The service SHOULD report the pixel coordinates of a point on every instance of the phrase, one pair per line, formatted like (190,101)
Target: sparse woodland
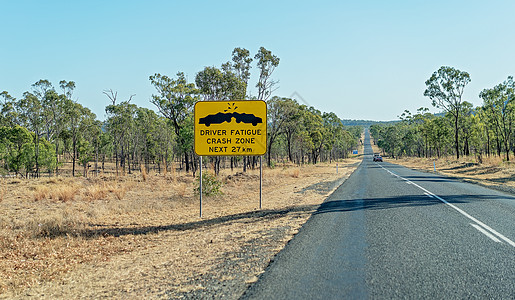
(460,130)
(46,132)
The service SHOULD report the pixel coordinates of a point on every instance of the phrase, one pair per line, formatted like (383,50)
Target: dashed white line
(483,226)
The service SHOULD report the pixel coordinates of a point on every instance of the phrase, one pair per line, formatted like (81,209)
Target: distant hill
(364,123)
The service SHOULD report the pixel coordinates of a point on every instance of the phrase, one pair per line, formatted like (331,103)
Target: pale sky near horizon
(359,59)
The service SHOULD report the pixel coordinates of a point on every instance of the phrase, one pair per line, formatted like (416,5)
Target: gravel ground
(235,271)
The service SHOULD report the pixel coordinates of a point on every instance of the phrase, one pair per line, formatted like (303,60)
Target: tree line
(461,129)
(46,127)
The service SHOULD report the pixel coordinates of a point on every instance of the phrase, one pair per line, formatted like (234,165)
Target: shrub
(210,185)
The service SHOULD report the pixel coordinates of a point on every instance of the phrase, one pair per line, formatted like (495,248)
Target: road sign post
(200,185)
(230,128)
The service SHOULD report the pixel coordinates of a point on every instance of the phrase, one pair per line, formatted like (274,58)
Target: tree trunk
(74,155)
(456,140)
(187,162)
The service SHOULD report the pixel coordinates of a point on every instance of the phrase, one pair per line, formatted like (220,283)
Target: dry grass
(143,170)
(65,193)
(119,236)
(96,191)
(493,170)
(58,224)
(41,192)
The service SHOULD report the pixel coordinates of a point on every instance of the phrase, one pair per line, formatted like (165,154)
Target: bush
(210,185)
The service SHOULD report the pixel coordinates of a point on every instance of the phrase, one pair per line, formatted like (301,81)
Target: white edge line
(483,225)
(483,231)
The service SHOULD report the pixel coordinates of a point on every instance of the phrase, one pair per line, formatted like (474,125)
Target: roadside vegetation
(461,129)
(473,143)
(47,128)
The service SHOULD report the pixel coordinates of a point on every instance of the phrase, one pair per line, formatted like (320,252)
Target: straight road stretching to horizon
(392,232)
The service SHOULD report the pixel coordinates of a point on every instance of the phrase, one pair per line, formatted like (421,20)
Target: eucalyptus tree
(314,127)
(57,109)
(486,125)
(279,112)
(146,124)
(422,121)
(31,115)
(414,134)
(499,101)
(80,121)
(120,124)
(445,90)
(175,100)
(35,116)
(241,61)
(292,125)
(335,135)
(477,136)
(8,113)
(439,134)
(216,85)
(165,142)
(266,63)
(466,126)
(12,140)
(391,139)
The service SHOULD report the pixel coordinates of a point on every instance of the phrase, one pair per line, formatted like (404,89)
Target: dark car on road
(377,157)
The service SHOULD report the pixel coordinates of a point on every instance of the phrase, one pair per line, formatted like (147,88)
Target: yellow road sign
(230,128)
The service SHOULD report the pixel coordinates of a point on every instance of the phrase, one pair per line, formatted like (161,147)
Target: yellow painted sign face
(230,128)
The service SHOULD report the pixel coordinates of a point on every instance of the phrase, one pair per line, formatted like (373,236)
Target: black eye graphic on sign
(219,118)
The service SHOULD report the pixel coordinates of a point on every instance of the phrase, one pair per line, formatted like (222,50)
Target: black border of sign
(195,128)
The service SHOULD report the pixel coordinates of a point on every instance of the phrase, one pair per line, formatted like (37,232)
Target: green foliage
(211,186)
(46,124)
(445,90)
(462,129)
(216,85)
(266,63)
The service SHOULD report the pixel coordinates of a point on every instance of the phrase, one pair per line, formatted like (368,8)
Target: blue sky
(359,59)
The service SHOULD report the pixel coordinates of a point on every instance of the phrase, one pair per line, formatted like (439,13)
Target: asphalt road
(390,232)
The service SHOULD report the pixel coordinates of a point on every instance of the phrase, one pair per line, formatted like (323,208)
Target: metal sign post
(260,181)
(231,128)
(200,186)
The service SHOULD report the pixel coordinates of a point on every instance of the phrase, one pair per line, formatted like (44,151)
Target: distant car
(377,157)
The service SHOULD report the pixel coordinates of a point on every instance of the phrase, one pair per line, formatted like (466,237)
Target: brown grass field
(493,171)
(141,236)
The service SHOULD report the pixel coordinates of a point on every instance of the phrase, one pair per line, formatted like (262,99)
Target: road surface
(390,232)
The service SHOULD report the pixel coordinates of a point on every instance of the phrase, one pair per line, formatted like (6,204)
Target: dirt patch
(129,237)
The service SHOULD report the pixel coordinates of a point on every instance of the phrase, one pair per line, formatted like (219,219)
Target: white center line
(483,225)
(486,233)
